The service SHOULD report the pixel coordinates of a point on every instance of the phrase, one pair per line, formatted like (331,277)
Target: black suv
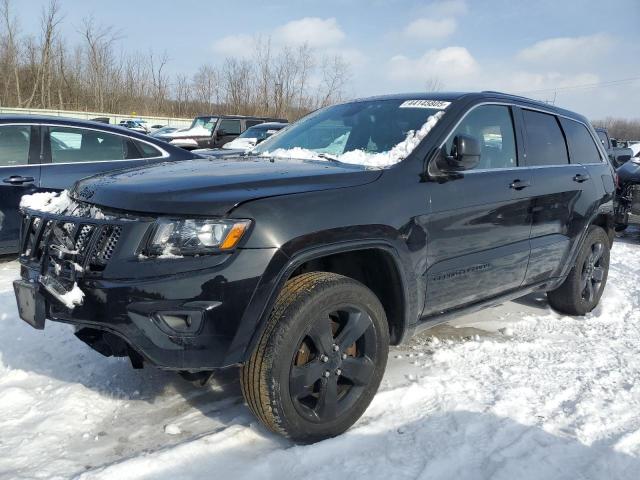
(301,262)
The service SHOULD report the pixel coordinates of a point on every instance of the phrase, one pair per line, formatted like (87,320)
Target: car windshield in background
(258,132)
(375,133)
(204,123)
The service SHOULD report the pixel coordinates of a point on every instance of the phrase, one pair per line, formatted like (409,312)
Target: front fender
(300,250)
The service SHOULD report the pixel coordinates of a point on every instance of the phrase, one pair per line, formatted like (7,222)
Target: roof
(75,122)
(248,117)
(271,125)
(486,94)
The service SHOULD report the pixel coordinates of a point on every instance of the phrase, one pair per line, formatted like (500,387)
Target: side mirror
(220,133)
(464,155)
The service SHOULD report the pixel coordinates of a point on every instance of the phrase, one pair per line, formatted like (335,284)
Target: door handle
(581,177)
(519,184)
(18,180)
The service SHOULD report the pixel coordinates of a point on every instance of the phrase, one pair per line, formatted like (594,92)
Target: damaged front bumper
(177,313)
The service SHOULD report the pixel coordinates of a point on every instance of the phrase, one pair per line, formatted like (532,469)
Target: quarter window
(70,145)
(545,142)
(492,126)
(14,145)
(147,150)
(582,148)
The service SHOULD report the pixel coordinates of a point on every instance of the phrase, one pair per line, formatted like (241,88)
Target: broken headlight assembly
(171,237)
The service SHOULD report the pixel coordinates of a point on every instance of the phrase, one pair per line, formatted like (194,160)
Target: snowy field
(514,392)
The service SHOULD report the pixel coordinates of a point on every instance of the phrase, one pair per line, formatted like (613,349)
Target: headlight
(191,237)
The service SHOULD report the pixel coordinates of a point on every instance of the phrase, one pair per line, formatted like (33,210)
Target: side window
(603,138)
(253,123)
(147,150)
(582,148)
(230,126)
(492,126)
(545,142)
(70,144)
(14,145)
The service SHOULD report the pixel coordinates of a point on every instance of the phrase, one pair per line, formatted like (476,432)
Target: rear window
(545,141)
(582,148)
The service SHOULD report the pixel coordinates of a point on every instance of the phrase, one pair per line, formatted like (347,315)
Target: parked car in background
(213,131)
(135,125)
(617,155)
(351,230)
(628,194)
(635,149)
(155,127)
(50,153)
(246,141)
(163,131)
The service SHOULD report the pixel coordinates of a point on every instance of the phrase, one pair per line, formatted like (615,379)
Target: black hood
(214,186)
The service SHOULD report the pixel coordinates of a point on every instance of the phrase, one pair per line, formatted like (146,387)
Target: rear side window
(69,145)
(147,150)
(230,127)
(582,148)
(545,141)
(492,126)
(14,145)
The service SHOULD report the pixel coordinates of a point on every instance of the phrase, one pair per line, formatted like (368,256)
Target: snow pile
(48,202)
(526,394)
(360,157)
(73,297)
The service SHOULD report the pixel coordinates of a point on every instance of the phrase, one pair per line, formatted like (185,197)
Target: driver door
(228,129)
(479,223)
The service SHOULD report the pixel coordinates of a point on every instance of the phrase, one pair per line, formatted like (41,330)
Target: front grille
(86,245)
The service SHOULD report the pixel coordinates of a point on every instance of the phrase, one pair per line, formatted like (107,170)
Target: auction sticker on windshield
(437,104)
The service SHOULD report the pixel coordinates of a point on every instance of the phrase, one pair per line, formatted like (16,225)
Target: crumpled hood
(213,186)
(629,172)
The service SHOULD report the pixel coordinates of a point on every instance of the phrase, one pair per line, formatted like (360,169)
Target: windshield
(258,132)
(204,123)
(374,133)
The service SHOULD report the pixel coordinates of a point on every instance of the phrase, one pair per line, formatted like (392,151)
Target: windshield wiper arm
(331,158)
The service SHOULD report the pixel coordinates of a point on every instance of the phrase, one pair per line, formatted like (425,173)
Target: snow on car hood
(198,131)
(360,157)
(245,143)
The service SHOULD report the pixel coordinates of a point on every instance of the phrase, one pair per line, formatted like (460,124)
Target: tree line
(620,128)
(46,71)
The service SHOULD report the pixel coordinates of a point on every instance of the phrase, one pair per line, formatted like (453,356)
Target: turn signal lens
(234,236)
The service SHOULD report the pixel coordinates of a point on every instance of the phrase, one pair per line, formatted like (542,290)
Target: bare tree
(335,75)
(12,51)
(433,84)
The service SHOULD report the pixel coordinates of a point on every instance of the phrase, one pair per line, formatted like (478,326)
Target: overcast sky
(529,47)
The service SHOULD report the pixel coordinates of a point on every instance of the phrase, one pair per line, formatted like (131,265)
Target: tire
(583,287)
(295,382)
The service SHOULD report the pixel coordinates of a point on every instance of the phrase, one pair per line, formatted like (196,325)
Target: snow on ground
(514,392)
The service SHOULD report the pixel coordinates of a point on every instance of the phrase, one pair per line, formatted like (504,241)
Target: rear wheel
(583,287)
(320,359)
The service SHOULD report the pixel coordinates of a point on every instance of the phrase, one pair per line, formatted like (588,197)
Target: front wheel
(320,359)
(583,287)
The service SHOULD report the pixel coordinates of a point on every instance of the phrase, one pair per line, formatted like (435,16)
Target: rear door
(479,224)
(228,129)
(562,193)
(19,175)
(72,153)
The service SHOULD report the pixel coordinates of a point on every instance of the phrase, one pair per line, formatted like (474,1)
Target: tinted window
(582,148)
(252,123)
(492,126)
(230,127)
(82,145)
(147,150)
(545,142)
(14,145)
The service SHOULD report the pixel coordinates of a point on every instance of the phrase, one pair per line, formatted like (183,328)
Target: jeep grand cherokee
(358,226)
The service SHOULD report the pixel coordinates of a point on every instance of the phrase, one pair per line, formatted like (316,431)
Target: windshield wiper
(331,158)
